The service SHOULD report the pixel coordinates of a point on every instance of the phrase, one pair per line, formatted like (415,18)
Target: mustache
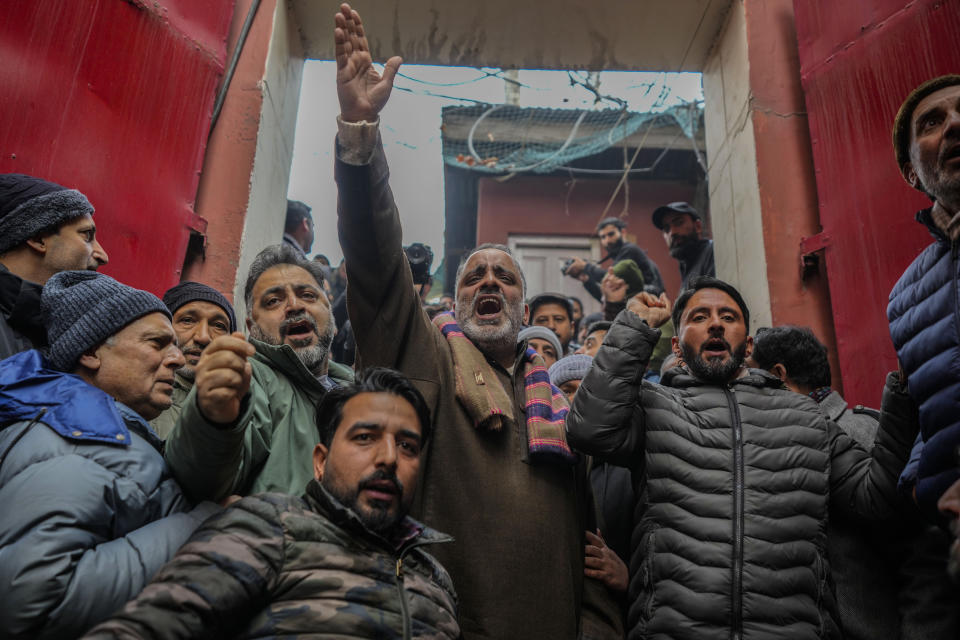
(303,316)
(380,476)
(488,291)
(726,345)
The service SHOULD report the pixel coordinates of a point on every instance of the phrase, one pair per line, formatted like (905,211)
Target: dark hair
(617,222)
(272,256)
(372,380)
(577,300)
(541,299)
(599,325)
(297,212)
(797,349)
(708,282)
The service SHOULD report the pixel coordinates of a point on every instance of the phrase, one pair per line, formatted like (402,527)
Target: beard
(941,188)
(379,517)
(485,335)
(614,247)
(312,356)
(714,370)
(680,245)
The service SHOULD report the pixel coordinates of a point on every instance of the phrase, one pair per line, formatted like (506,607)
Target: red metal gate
(858,61)
(114,98)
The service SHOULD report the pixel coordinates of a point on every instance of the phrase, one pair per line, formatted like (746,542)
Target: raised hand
(361,90)
(223,378)
(614,288)
(655,310)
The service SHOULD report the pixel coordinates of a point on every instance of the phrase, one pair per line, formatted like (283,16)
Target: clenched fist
(655,310)
(223,378)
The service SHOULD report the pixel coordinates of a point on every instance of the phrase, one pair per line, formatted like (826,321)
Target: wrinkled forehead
(282,275)
(201,308)
(941,99)
(490,259)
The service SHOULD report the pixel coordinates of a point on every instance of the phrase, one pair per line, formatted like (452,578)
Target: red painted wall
(858,61)
(549,206)
(785,172)
(114,98)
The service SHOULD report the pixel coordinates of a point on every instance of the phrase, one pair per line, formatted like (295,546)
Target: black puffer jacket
(732,485)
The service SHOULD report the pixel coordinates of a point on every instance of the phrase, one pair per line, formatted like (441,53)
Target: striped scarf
(491,406)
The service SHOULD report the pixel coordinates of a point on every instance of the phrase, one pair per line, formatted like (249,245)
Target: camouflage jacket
(274,565)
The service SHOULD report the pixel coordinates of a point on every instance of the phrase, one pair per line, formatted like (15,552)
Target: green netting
(510,139)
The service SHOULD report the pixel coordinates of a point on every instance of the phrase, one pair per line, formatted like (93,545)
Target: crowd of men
(500,466)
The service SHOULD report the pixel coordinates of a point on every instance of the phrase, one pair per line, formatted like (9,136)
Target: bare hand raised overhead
(649,307)
(362,91)
(223,378)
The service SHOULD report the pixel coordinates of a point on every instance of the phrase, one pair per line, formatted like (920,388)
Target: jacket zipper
(953,285)
(736,595)
(398,577)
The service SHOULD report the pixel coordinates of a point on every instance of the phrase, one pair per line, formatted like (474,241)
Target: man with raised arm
(498,475)
(733,474)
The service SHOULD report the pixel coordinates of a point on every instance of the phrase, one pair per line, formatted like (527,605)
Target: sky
(410,128)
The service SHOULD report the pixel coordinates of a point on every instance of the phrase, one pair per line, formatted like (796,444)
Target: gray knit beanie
(573,367)
(541,332)
(186,292)
(30,206)
(81,309)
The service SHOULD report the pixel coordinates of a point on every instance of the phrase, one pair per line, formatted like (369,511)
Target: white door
(541,258)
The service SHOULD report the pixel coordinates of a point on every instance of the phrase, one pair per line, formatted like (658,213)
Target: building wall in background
(858,61)
(243,188)
(549,206)
(762,190)
(114,98)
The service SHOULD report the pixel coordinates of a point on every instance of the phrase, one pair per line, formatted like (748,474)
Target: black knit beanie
(186,292)
(81,309)
(30,206)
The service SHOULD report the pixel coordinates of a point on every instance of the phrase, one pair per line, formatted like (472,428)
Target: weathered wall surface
(245,174)
(762,187)
(114,98)
(732,167)
(858,62)
(672,35)
(549,206)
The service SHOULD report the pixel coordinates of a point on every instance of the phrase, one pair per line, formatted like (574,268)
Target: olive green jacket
(164,423)
(269,447)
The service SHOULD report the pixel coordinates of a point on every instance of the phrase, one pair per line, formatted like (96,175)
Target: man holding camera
(610,232)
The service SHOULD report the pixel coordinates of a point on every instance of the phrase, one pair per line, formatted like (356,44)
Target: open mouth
(952,154)
(489,305)
(298,330)
(715,348)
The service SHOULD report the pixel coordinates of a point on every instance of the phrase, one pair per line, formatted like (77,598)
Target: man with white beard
(498,475)
(248,424)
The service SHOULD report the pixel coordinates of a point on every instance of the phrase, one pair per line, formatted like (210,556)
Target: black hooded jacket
(20,322)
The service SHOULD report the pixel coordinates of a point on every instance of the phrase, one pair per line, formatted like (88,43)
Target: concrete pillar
(243,186)
(763,198)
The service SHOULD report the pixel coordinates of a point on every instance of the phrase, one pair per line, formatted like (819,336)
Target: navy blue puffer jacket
(925,326)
